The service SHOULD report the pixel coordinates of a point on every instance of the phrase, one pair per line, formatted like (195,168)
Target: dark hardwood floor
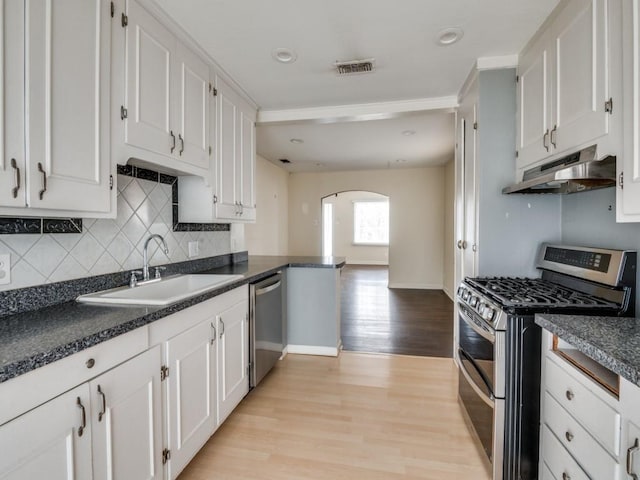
(401,321)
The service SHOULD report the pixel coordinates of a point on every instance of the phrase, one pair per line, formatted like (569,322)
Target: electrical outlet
(5,269)
(193,249)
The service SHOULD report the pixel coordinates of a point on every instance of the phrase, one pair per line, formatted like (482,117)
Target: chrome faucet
(145,254)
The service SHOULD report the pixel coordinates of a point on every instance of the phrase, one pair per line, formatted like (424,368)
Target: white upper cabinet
(565,86)
(12,152)
(165,104)
(628,194)
(55,123)
(235,170)
(533,90)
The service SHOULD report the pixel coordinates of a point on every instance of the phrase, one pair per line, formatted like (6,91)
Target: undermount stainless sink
(163,292)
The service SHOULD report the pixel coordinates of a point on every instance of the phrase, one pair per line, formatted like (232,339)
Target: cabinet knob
(569,436)
(460,244)
(569,395)
(90,363)
(566,476)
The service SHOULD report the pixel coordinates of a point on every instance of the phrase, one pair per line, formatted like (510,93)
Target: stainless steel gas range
(498,351)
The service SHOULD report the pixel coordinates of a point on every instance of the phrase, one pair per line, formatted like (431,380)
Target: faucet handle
(133,281)
(158,270)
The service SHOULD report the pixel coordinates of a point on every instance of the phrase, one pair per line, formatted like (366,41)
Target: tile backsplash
(109,245)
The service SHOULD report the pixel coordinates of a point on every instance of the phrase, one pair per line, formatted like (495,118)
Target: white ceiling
(400,35)
(374,144)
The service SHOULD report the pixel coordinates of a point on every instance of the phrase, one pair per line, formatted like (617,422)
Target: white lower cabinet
(586,432)
(126,420)
(109,427)
(233,333)
(47,441)
(191,392)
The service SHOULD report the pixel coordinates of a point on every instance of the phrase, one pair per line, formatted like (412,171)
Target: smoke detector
(353,67)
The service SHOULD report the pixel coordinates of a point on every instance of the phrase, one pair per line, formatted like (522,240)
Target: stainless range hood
(578,172)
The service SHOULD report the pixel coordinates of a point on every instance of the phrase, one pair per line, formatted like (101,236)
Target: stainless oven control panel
(482,306)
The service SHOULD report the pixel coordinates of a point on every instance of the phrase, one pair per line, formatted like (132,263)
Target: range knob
(474,301)
(461,290)
(466,295)
(489,314)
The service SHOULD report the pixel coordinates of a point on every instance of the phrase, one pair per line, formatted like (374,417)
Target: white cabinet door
(628,207)
(150,79)
(581,58)
(192,392)
(192,101)
(47,442)
(233,363)
(67,104)
(228,154)
(533,104)
(12,151)
(248,164)
(126,420)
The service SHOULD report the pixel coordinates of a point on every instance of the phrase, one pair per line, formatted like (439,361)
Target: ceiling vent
(285,161)
(353,67)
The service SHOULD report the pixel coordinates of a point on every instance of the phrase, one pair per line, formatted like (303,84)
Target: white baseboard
(313,350)
(449,293)
(420,286)
(367,262)
(285,350)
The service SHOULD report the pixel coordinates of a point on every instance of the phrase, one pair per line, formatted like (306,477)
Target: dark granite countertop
(614,342)
(36,338)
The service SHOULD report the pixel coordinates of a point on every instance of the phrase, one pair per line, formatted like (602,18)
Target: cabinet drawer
(602,421)
(583,447)
(21,394)
(556,460)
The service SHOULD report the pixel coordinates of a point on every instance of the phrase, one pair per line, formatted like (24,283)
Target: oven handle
(480,331)
(488,399)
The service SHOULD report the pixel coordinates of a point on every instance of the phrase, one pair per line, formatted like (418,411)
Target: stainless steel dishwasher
(266,326)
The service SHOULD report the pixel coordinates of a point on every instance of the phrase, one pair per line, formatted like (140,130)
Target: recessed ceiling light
(319,164)
(296,140)
(284,55)
(449,36)
(408,133)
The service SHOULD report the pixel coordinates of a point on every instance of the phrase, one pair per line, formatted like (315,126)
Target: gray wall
(510,226)
(589,219)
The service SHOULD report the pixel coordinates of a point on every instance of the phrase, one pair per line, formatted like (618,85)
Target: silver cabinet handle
(237,204)
(545,140)
(241,208)
(44,180)
(173,141)
(83,421)
(568,435)
(554,135)
(565,476)
(569,394)
(630,452)
(474,247)
(213,338)
(222,329)
(464,244)
(181,143)
(14,190)
(104,404)
(460,244)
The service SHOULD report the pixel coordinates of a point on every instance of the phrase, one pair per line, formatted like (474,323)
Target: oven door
(478,352)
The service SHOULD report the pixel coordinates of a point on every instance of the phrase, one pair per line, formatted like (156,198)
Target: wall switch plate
(193,249)
(5,269)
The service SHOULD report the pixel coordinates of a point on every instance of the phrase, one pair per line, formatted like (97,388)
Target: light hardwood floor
(359,416)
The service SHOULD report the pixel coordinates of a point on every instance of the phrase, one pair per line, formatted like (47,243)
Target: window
(371,222)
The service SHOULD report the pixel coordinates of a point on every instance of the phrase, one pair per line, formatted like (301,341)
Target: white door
(248,165)
(468,111)
(533,89)
(233,377)
(580,81)
(12,151)
(48,442)
(149,84)
(192,392)
(67,104)
(226,206)
(192,108)
(127,420)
